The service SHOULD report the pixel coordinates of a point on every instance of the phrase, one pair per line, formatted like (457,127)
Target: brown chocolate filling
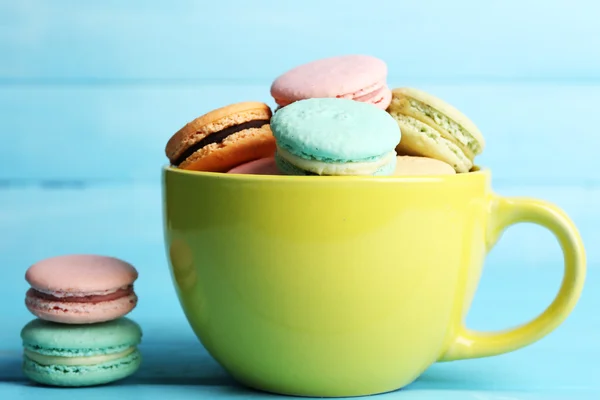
(218,137)
(82,299)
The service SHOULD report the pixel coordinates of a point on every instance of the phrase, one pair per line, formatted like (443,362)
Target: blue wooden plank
(240,40)
(535,133)
(520,278)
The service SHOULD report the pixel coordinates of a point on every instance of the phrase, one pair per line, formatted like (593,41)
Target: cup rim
(480,173)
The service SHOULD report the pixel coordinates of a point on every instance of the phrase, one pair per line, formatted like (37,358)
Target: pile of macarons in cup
(81,336)
(334,117)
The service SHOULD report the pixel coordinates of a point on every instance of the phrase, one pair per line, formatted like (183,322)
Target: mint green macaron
(80,355)
(330,136)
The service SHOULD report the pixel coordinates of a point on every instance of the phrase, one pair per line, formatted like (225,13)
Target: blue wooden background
(91,91)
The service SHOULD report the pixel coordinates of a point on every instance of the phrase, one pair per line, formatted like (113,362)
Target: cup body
(328,286)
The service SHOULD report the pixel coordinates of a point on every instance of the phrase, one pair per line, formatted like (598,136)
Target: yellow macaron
(433,128)
(412,165)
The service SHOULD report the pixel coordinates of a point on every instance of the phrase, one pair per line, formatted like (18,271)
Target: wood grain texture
(243,41)
(539,134)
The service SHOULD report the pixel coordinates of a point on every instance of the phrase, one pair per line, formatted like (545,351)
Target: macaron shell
(347,76)
(289,169)
(386,170)
(386,100)
(400,96)
(263,166)
(214,121)
(80,313)
(79,376)
(239,148)
(409,165)
(336,130)
(419,139)
(57,339)
(80,274)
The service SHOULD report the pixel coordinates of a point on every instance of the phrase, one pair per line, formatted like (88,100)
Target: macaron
(223,138)
(81,289)
(263,166)
(80,355)
(355,77)
(327,136)
(409,165)
(433,128)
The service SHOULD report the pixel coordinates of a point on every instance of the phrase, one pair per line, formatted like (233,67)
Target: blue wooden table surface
(90,92)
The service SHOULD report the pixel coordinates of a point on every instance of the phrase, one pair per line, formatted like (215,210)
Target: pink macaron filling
(94,298)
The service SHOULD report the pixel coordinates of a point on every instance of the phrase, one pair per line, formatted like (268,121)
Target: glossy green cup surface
(345,286)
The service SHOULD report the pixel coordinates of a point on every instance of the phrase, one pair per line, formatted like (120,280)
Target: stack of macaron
(334,117)
(81,336)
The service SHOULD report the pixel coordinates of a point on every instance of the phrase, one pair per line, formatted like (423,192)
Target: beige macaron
(433,128)
(409,165)
(223,138)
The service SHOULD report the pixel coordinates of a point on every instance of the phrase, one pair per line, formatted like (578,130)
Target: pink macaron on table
(81,289)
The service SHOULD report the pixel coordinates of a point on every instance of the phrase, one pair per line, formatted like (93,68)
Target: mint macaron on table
(80,355)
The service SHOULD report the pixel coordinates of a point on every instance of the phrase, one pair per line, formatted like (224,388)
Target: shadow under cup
(345,286)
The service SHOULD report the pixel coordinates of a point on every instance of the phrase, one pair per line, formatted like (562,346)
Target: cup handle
(505,212)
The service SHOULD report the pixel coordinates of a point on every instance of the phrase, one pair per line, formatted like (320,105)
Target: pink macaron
(81,289)
(263,166)
(356,77)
